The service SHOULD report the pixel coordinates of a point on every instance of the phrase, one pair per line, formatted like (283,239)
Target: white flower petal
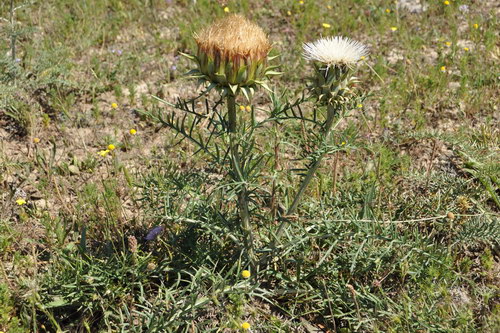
(335,50)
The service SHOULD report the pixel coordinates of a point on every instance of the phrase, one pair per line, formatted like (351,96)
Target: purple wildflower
(153,233)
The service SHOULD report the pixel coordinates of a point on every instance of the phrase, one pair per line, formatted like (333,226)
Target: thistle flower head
(333,59)
(232,53)
(234,38)
(335,51)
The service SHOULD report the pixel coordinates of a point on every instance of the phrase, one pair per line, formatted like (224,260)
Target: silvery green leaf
(264,85)
(190,57)
(245,92)
(234,88)
(273,73)
(271,58)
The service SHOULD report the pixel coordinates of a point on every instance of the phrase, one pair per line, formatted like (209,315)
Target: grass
(398,231)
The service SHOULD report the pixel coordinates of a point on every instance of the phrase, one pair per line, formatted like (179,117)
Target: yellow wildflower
(36,140)
(132,131)
(394,28)
(446,3)
(103,153)
(111,147)
(289,13)
(242,108)
(466,49)
(114,105)
(360,105)
(447,43)
(476,26)
(326,25)
(20,201)
(248,108)
(343,143)
(329,7)
(226,9)
(245,326)
(443,68)
(387,10)
(245,274)
(301,2)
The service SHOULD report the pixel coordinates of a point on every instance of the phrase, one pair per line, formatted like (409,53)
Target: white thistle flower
(335,51)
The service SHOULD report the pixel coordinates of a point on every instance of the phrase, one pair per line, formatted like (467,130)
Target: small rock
(74,170)
(394,56)
(454,85)
(42,204)
(412,6)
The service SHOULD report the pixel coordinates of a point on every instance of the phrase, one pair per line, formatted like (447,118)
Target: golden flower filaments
(233,53)
(334,58)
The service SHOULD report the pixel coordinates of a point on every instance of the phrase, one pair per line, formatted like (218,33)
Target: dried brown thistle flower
(233,53)
(132,244)
(233,39)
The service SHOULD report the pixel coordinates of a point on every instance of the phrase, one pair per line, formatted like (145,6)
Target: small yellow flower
(248,108)
(463,203)
(245,274)
(360,105)
(447,43)
(132,131)
(443,68)
(289,13)
(329,7)
(394,28)
(343,143)
(20,201)
(476,26)
(301,2)
(362,58)
(36,140)
(446,3)
(226,9)
(111,147)
(466,49)
(245,326)
(388,10)
(326,25)
(103,153)
(242,108)
(114,105)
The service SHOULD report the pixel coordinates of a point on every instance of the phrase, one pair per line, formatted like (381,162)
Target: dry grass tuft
(232,38)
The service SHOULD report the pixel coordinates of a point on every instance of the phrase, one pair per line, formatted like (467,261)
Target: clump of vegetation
(303,185)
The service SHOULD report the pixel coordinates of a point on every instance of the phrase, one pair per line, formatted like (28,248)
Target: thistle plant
(232,57)
(334,60)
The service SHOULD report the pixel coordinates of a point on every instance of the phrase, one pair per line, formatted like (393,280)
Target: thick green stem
(231,113)
(329,125)
(239,177)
